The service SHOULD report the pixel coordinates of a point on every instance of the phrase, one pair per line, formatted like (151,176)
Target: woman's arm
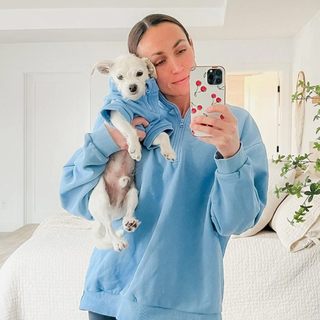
(82,172)
(239,193)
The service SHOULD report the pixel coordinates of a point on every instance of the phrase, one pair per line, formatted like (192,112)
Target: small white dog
(115,195)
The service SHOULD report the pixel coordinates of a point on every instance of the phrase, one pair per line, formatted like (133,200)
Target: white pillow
(275,180)
(300,235)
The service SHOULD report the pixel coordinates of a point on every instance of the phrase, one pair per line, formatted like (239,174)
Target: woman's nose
(176,66)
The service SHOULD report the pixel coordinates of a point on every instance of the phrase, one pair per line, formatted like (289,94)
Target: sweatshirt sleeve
(239,192)
(119,106)
(82,172)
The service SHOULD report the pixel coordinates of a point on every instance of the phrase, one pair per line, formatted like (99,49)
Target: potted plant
(309,188)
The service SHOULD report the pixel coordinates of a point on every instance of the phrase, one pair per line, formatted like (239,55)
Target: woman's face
(169,50)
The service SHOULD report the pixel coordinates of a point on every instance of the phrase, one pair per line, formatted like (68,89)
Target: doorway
(259,94)
(57,117)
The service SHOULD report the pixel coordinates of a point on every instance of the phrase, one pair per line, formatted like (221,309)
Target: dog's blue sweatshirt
(147,106)
(173,267)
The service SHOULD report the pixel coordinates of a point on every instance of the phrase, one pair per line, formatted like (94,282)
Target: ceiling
(102,20)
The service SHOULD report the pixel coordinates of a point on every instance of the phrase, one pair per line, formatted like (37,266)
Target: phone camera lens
(214,76)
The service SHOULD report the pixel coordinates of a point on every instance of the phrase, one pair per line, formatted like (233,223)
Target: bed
(43,279)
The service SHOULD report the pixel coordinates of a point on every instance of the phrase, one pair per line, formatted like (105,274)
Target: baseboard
(10,226)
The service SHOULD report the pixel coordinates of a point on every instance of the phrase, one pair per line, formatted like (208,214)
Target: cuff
(153,131)
(103,141)
(233,164)
(126,113)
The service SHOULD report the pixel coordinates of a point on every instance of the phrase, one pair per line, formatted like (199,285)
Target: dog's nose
(133,88)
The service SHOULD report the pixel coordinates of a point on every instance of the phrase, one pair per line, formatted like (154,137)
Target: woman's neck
(182,102)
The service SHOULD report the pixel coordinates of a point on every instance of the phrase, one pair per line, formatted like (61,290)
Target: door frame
(275,107)
(84,72)
(285,109)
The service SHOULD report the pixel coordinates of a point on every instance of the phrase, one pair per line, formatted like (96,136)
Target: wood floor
(10,241)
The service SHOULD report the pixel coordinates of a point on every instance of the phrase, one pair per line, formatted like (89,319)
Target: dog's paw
(131,224)
(119,245)
(134,149)
(169,154)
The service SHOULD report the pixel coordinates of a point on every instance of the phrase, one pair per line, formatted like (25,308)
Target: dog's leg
(99,206)
(118,242)
(130,133)
(130,223)
(163,141)
(112,238)
(100,237)
(99,203)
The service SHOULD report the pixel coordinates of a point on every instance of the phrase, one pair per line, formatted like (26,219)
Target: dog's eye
(139,73)
(120,77)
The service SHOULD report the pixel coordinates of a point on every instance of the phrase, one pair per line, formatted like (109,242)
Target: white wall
(17,59)
(306,58)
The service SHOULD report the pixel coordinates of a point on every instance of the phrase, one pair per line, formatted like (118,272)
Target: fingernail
(221,116)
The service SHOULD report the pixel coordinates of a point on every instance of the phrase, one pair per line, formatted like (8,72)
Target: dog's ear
(103,66)
(151,68)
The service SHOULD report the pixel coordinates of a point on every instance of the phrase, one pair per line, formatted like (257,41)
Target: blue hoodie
(147,106)
(173,267)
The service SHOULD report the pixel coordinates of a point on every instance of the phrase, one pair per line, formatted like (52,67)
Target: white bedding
(44,278)
(265,282)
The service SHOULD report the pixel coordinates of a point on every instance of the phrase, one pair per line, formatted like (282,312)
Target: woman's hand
(224,131)
(119,139)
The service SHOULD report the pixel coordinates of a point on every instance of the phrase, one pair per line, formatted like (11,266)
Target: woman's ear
(191,44)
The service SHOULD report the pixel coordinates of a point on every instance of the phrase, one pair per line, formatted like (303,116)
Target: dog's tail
(124,181)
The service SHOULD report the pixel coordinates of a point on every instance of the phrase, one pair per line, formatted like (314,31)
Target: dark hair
(140,28)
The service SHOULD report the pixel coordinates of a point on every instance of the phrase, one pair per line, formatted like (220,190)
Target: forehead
(160,38)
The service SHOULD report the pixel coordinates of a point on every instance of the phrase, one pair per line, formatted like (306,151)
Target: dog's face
(129,73)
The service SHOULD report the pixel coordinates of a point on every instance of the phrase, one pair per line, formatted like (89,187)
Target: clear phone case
(207,87)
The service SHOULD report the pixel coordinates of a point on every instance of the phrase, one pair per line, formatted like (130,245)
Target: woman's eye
(159,63)
(139,73)
(120,77)
(181,51)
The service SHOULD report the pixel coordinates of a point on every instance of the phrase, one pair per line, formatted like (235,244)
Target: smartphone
(207,87)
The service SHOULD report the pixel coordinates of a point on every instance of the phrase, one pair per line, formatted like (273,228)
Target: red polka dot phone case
(207,87)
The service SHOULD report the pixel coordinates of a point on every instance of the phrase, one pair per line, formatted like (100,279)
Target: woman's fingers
(140,121)
(222,128)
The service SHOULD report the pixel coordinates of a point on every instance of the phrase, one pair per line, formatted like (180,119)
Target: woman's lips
(181,80)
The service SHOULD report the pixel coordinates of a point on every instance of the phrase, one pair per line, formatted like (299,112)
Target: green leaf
(306,208)
(316,145)
(302,162)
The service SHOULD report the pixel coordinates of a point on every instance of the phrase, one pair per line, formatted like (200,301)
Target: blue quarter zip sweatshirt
(173,267)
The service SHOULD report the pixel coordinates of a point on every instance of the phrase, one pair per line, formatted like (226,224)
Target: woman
(217,187)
